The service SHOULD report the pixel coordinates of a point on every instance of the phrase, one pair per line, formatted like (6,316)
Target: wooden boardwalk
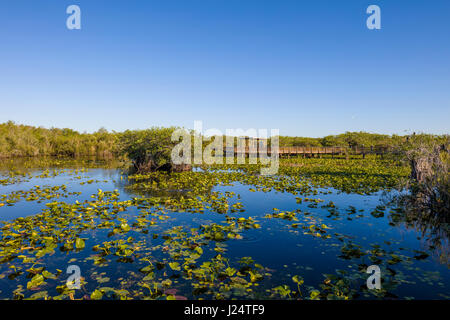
(306,151)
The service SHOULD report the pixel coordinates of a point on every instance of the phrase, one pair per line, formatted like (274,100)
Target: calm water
(286,251)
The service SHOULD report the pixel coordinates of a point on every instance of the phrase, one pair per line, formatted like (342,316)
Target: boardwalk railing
(288,151)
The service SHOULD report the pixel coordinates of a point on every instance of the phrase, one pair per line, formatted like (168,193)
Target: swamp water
(219,236)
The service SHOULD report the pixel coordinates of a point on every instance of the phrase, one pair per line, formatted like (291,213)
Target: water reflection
(433,227)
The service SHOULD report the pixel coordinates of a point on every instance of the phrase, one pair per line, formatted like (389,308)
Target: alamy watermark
(374,281)
(74,280)
(374,20)
(239,145)
(74,20)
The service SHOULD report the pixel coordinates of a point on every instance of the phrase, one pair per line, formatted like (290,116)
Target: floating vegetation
(210,233)
(36,194)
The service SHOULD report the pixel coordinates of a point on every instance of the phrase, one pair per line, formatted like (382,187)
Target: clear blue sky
(309,68)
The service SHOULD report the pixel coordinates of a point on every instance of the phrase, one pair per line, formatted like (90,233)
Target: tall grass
(23,141)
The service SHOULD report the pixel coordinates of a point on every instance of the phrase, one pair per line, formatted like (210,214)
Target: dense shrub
(22,140)
(150,149)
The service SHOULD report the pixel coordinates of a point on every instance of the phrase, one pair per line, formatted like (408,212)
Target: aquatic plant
(175,235)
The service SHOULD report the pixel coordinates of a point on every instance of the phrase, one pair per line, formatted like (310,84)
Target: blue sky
(308,68)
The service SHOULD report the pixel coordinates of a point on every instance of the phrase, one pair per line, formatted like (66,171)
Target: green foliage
(155,145)
(24,141)
(156,256)
(429,186)
(360,139)
(148,149)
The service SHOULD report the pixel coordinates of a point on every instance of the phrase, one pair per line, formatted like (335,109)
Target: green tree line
(23,141)
(18,140)
(361,139)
